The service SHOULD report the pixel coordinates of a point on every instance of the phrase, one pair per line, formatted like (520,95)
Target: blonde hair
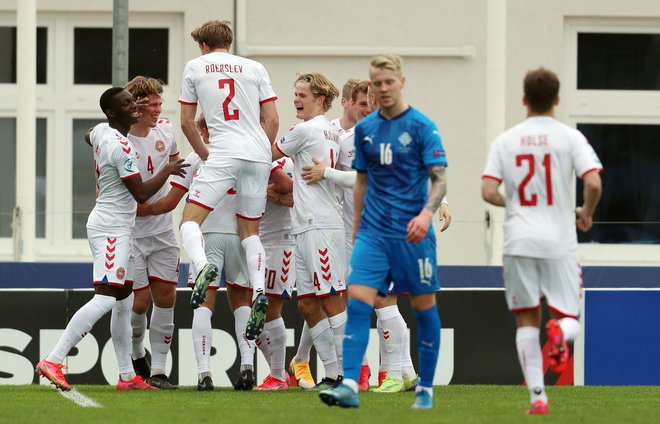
(360,87)
(320,85)
(144,86)
(216,34)
(349,86)
(388,61)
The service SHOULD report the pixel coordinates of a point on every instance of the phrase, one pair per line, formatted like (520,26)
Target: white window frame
(608,107)
(60,102)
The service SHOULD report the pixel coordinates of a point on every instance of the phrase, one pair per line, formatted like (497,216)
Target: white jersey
(230,90)
(315,206)
(337,124)
(345,163)
(114,161)
(275,225)
(223,217)
(536,160)
(153,153)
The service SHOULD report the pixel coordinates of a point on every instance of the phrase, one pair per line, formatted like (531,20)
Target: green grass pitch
(453,404)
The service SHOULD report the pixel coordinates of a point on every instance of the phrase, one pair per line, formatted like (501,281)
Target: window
(84,182)
(611,92)
(8,54)
(147,54)
(618,61)
(629,210)
(8,176)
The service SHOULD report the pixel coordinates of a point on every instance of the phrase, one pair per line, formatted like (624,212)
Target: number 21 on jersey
(528,160)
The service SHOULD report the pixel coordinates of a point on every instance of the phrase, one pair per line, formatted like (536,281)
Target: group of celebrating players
(330,204)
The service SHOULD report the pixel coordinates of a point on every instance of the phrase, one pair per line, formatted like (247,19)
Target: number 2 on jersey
(230,115)
(532,200)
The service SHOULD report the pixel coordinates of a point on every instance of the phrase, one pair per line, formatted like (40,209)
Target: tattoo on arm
(438,188)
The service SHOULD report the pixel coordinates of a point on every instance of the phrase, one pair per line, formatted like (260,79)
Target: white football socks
(305,344)
(202,335)
(255,256)
(393,330)
(81,322)
(139,325)
(531,361)
(570,327)
(193,242)
(241,316)
(325,347)
(277,347)
(338,325)
(121,332)
(161,330)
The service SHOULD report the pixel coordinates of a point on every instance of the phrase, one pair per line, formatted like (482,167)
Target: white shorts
(280,270)
(224,251)
(155,258)
(112,258)
(214,179)
(527,280)
(320,262)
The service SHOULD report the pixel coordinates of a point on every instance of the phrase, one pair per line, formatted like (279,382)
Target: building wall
(464,62)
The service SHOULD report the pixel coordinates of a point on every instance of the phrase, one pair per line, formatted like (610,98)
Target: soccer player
(235,94)
(155,250)
(223,246)
(110,232)
(396,370)
(275,232)
(316,223)
(536,160)
(397,151)
(347,119)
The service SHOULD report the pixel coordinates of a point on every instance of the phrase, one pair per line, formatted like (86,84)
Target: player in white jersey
(346,121)
(537,160)
(396,370)
(275,233)
(110,231)
(155,250)
(316,222)
(222,245)
(236,95)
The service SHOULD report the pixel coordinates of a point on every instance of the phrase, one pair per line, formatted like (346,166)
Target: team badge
(405,139)
(160,146)
(121,273)
(129,165)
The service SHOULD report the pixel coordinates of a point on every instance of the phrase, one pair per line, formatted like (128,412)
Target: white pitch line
(78,398)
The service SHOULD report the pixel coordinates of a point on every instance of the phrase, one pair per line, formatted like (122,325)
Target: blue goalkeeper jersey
(396,155)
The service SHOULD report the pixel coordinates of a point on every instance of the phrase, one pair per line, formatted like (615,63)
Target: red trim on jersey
(162,280)
(141,288)
(130,176)
(270,99)
(278,148)
(175,184)
(302,296)
(195,202)
(117,284)
(600,170)
(533,308)
(174,154)
(562,314)
(247,218)
(278,166)
(490,177)
(187,103)
(229,284)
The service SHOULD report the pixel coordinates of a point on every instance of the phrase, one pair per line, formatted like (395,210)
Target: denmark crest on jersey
(160,146)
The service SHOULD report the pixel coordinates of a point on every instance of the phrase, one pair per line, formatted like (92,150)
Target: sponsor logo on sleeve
(129,165)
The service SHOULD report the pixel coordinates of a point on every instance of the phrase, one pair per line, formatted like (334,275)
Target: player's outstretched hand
(313,174)
(177,168)
(419,226)
(445,216)
(584,221)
